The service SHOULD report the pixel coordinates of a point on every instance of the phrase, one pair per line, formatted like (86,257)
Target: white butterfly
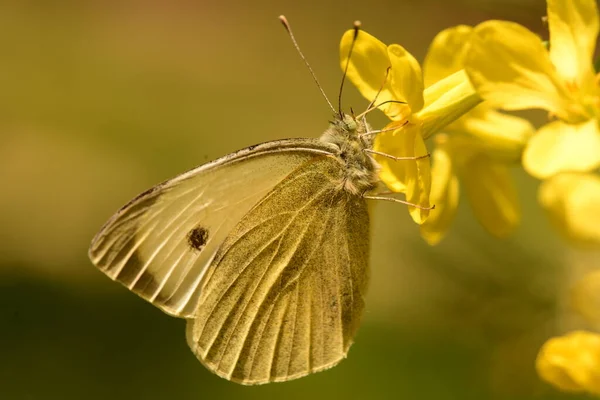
(264,252)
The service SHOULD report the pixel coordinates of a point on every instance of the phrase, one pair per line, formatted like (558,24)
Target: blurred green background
(99,100)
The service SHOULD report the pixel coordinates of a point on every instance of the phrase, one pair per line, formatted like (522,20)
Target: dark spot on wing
(197,238)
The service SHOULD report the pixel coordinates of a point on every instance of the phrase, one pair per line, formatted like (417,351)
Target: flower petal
(412,177)
(492,194)
(446,53)
(560,147)
(501,136)
(509,67)
(444,194)
(367,70)
(446,101)
(573,29)
(572,202)
(571,362)
(407,78)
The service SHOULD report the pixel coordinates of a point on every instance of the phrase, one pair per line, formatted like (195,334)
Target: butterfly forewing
(284,294)
(161,243)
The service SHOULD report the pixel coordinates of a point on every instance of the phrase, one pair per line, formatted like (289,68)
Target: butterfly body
(349,136)
(264,252)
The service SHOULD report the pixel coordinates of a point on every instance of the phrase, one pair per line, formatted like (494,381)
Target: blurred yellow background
(100,100)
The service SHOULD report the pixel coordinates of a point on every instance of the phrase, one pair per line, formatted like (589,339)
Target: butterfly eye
(197,238)
(350,124)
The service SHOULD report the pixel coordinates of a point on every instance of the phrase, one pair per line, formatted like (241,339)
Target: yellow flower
(571,362)
(572,202)
(474,149)
(511,69)
(426,110)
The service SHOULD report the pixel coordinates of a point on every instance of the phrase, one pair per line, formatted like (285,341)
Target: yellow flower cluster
(469,74)
(474,143)
(512,69)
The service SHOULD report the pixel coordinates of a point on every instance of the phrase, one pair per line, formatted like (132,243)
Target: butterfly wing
(284,295)
(160,244)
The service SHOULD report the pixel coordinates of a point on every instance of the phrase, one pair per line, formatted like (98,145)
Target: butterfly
(264,252)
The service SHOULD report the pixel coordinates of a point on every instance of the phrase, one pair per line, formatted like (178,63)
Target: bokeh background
(99,100)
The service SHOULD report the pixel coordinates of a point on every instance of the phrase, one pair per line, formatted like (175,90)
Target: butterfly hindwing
(161,244)
(284,295)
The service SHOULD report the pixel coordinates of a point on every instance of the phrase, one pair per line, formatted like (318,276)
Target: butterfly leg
(396,158)
(378,131)
(395,200)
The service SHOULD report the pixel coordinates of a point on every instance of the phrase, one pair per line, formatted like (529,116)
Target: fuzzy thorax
(360,173)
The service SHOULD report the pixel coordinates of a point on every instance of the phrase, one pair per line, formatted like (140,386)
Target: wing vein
(293,330)
(279,334)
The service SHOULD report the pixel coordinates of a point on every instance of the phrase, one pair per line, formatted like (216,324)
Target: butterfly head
(349,122)
(348,126)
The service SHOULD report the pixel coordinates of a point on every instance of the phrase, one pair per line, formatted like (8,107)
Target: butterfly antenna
(356,29)
(370,106)
(379,105)
(287,27)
